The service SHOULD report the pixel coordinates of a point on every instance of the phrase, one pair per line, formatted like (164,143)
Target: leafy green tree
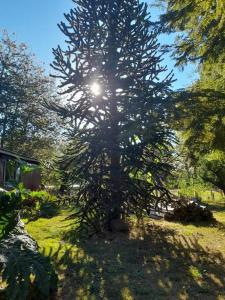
(200,26)
(200,109)
(212,170)
(25,124)
(201,119)
(115,108)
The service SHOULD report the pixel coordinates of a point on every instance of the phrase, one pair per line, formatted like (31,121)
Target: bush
(190,213)
(37,203)
(10,204)
(24,270)
(27,273)
(44,203)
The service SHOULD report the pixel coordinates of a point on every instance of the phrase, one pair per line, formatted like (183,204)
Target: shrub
(22,267)
(36,204)
(44,203)
(9,207)
(189,213)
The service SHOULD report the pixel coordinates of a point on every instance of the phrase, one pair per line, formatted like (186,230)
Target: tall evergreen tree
(115,104)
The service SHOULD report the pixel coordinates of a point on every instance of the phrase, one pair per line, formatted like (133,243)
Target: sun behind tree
(116,110)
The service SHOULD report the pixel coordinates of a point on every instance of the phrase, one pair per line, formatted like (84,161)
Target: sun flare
(96,89)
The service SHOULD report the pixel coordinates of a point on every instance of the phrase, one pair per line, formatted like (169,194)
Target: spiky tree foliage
(114,106)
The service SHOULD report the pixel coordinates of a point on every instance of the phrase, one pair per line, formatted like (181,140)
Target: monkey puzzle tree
(114,107)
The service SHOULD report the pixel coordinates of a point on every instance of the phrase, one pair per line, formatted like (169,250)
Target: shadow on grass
(150,263)
(216,206)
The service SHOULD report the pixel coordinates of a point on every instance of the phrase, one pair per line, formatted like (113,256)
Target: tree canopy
(201,28)
(25,124)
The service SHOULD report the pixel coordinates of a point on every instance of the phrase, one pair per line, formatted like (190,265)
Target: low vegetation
(25,273)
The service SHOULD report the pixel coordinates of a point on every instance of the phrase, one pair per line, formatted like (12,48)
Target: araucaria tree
(115,109)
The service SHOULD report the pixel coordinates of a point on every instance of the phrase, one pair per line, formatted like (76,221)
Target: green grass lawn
(157,260)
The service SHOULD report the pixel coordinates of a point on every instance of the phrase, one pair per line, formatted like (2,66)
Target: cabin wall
(12,173)
(32,180)
(2,173)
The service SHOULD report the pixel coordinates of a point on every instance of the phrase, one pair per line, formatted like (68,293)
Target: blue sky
(35,23)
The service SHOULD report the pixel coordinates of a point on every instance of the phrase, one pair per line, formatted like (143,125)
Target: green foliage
(27,274)
(200,110)
(25,124)
(201,120)
(9,206)
(200,26)
(42,196)
(27,168)
(212,169)
(37,203)
(29,203)
(45,203)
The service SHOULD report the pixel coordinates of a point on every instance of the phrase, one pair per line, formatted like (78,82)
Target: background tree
(26,126)
(115,107)
(200,26)
(201,118)
(212,169)
(200,30)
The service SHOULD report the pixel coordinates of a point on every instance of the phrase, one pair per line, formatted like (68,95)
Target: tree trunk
(114,152)
(115,175)
(223,190)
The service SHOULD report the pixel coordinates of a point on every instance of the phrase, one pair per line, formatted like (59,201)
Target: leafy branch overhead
(200,26)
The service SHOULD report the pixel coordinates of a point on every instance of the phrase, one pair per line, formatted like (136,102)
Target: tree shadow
(216,206)
(150,263)
(49,211)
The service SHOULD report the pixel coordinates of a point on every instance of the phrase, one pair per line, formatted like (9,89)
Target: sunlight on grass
(194,271)
(156,261)
(49,232)
(204,234)
(126,294)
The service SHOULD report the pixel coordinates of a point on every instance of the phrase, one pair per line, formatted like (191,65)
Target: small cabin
(15,169)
